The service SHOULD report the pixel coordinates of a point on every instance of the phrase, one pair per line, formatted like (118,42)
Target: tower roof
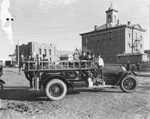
(111,8)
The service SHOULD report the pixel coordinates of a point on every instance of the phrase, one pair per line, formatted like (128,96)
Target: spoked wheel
(56,89)
(1,86)
(129,84)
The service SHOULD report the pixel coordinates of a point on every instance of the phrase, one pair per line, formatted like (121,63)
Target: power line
(74,21)
(58,31)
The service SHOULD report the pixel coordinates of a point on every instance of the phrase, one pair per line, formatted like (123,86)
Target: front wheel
(56,89)
(129,84)
(1,86)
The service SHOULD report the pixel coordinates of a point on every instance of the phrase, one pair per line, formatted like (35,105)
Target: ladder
(58,65)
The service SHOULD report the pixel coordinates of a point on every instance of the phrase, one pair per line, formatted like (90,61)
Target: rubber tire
(60,82)
(135,83)
(1,86)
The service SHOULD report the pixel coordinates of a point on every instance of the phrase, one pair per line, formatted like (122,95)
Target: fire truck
(58,77)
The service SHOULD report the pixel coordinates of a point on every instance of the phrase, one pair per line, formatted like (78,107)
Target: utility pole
(132,40)
(149,24)
(18,52)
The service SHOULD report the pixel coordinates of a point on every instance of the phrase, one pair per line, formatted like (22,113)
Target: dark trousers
(29,76)
(100,71)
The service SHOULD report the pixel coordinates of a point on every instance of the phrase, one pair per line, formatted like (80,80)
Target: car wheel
(1,86)
(56,89)
(129,84)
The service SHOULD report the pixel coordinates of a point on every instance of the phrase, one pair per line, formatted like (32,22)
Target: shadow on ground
(22,94)
(25,94)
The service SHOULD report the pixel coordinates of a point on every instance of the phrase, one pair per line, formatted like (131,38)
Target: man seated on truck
(45,65)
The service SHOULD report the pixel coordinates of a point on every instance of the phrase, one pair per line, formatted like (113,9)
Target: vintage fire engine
(57,77)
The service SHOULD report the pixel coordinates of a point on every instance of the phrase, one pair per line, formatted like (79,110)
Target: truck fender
(1,81)
(123,75)
(52,77)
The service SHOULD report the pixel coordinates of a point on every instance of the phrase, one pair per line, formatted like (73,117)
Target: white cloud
(6,25)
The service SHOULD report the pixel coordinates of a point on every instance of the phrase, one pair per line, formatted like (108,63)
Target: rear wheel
(129,84)
(1,86)
(56,89)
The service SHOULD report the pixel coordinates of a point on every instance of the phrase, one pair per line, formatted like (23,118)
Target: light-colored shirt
(100,62)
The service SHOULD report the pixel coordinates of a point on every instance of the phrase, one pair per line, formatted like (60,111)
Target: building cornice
(102,30)
(112,28)
(111,10)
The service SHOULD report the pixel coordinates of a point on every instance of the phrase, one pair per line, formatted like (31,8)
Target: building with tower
(114,41)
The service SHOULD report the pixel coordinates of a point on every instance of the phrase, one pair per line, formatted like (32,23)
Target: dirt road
(19,102)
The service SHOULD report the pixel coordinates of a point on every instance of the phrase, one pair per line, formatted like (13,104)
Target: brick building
(113,38)
(34,48)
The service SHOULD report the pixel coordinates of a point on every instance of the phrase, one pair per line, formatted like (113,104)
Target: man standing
(128,66)
(100,65)
(21,59)
(138,66)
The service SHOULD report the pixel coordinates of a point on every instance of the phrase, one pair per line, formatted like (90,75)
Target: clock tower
(111,17)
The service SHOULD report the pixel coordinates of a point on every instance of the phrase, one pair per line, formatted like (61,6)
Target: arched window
(115,18)
(109,18)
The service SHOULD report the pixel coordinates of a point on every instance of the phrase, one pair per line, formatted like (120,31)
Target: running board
(102,86)
(32,89)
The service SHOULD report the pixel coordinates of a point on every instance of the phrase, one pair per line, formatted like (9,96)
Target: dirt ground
(18,102)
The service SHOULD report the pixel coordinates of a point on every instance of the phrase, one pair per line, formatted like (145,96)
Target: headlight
(123,68)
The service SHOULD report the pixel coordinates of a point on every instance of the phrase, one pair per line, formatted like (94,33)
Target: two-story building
(112,38)
(34,48)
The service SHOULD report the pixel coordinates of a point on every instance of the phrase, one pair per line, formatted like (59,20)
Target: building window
(92,46)
(86,41)
(104,35)
(98,44)
(110,45)
(118,45)
(129,44)
(50,59)
(115,18)
(49,51)
(103,42)
(33,48)
(40,51)
(45,52)
(118,34)
(110,34)
(129,35)
(25,52)
(109,19)
(54,51)
(141,37)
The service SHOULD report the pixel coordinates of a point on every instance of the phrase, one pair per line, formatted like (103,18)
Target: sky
(61,21)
